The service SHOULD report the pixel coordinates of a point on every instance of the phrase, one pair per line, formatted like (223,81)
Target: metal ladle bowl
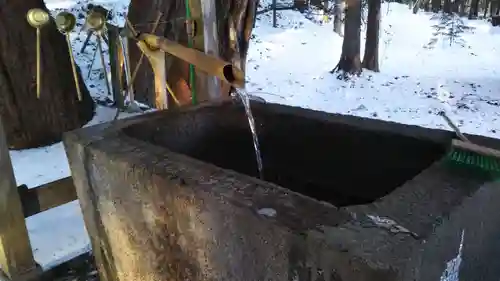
(95,21)
(37,17)
(65,21)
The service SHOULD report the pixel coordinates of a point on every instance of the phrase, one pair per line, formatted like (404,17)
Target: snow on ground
(290,65)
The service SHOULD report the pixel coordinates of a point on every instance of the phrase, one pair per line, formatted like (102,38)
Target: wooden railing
(17,203)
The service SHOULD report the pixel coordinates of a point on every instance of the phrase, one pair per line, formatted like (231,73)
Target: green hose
(192,84)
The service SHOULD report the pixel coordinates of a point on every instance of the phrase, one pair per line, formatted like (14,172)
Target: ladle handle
(454,127)
(73,67)
(38,63)
(103,61)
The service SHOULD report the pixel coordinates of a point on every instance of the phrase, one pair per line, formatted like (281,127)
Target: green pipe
(192,84)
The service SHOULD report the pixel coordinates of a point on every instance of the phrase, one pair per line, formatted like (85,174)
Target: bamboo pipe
(206,63)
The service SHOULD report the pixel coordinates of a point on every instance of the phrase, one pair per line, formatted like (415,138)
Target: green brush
(463,153)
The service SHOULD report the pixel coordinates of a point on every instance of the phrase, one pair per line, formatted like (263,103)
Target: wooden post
(157,60)
(201,81)
(16,256)
(211,42)
(114,62)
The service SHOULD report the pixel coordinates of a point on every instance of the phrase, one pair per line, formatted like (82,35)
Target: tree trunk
(349,60)
(474,9)
(493,7)
(461,8)
(487,4)
(32,122)
(427,7)
(300,5)
(415,6)
(436,6)
(316,3)
(447,6)
(232,16)
(338,10)
(455,6)
(326,8)
(370,58)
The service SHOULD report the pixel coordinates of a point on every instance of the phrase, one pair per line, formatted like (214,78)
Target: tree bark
(300,5)
(447,6)
(232,16)
(461,8)
(427,7)
(32,122)
(415,6)
(338,13)
(493,7)
(455,6)
(316,3)
(474,9)
(436,5)
(370,58)
(350,62)
(487,4)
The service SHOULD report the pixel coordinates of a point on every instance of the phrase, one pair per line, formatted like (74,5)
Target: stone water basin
(175,196)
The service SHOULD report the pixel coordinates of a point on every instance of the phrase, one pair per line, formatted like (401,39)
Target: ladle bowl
(65,21)
(37,17)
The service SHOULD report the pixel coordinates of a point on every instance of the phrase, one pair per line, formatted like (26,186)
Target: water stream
(245,99)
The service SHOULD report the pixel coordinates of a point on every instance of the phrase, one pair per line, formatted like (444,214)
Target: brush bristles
(487,164)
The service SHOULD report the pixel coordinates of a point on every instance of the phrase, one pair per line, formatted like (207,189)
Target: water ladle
(38,18)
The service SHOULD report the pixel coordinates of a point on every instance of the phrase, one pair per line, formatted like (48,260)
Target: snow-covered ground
(290,65)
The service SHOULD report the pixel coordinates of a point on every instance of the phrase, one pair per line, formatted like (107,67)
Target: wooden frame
(16,203)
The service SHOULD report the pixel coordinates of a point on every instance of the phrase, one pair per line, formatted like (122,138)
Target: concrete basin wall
(156,209)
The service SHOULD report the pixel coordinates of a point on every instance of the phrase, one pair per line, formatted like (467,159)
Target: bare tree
(447,6)
(461,8)
(474,9)
(370,58)
(486,6)
(436,5)
(494,7)
(32,122)
(338,12)
(350,61)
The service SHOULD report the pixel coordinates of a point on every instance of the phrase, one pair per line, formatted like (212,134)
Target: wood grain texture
(16,257)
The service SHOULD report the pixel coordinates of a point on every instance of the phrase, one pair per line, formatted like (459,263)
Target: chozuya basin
(174,196)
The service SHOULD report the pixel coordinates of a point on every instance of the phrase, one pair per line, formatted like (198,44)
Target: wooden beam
(47,196)
(211,43)
(16,256)
(114,62)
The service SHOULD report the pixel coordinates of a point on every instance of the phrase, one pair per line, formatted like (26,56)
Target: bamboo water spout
(225,71)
